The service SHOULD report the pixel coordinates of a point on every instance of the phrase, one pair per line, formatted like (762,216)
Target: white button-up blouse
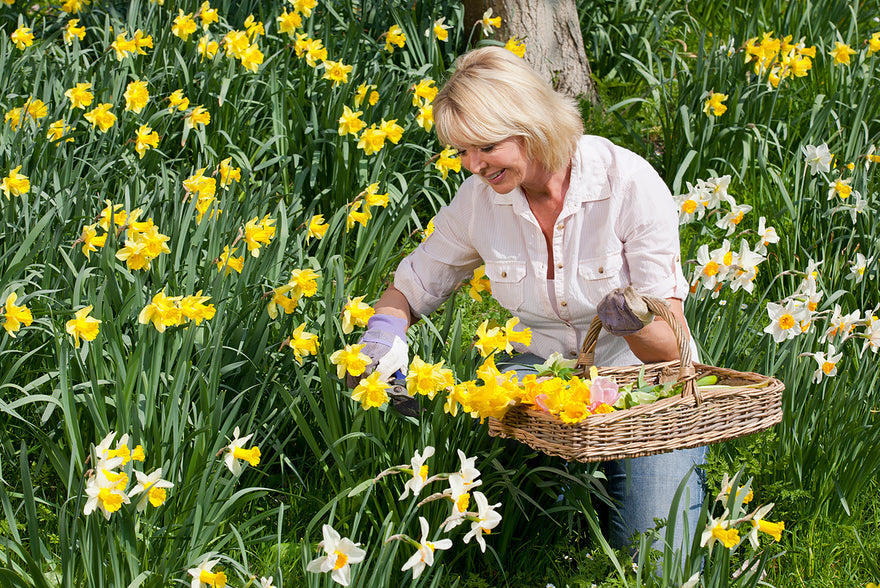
(618,227)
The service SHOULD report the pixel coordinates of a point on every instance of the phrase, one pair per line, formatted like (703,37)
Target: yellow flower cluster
(169,311)
(779,58)
(106,484)
(125,47)
(423,96)
(33,108)
(143,241)
(258,232)
(302,283)
(370,196)
(479,283)
(494,339)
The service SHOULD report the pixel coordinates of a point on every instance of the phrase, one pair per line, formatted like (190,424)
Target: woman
(562,222)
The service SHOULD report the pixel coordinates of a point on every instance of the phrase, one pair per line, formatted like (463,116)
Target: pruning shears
(401,401)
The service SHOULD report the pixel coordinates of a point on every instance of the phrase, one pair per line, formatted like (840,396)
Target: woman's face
(503,165)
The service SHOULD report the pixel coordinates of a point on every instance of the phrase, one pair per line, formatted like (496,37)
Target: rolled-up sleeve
(648,227)
(429,275)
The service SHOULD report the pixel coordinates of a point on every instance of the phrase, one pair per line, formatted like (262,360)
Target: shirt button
(601,270)
(560,226)
(563,303)
(503,274)
(559,265)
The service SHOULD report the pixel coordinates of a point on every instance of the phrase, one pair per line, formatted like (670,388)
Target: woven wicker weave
(690,420)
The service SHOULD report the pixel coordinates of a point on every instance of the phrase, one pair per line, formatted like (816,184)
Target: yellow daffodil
(366,93)
(424,92)
(15,184)
(253,27)
(303,343)
(22,37)
(393,131)
(193,307)
(207,47)
(448,161)
(228,173)
(184,25)
(516,46)
(90,239)
(280,299)
(101,117)
(163,311)
(394,36)
(427,379)
(841,53)
(874,43)
(146,138)
(373,198)
(357,216)
(372,140)
(235,43)
(178,100)
(289,22)
(258,232)
(229,262)
(123,46)
(207,15)
(57,130)
(136,96)
(112,214)
(82,326)
(371,391)
(73,6)
(317,227)
(304,7)
(198,116)
(355,313)
(252,58)
(336,71)
(304,282)
(14,316)
(425,117)
(350,359)
(479,283)
(350,121)
(714,103)
(13,117)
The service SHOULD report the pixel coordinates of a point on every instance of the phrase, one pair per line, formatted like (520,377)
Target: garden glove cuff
(623,312)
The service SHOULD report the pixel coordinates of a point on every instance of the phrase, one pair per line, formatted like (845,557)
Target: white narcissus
(424,556)
(341,554)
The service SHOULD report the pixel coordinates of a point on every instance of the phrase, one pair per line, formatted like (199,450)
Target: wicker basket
(680,422)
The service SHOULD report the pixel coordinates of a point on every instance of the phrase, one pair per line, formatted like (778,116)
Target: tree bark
(552,33)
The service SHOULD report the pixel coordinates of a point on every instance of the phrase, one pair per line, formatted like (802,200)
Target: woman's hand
(385,343)
(649,338)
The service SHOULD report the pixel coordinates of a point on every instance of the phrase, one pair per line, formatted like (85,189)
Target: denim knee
(649,491)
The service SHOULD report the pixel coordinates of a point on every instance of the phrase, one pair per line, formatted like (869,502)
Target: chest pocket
(508,282)
(600,275)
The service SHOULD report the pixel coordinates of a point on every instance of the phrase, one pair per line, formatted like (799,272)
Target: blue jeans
(647,493)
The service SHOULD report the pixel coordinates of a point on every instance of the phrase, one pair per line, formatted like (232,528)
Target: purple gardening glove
(385,342)
(623,312)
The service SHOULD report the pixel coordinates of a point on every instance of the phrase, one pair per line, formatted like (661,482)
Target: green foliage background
(181,393)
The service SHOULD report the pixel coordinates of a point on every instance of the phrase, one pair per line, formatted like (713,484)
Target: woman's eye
(487,148)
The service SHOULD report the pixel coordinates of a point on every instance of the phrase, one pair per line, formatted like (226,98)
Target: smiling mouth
(495,177)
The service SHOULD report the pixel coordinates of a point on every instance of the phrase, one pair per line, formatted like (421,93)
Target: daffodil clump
(736,523)
(468,507)
(107,482)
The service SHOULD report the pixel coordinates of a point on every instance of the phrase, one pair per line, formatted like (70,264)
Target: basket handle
(687,374)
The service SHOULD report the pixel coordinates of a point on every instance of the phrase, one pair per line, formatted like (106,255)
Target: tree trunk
(552,33)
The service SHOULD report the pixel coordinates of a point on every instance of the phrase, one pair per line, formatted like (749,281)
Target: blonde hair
(494,95)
